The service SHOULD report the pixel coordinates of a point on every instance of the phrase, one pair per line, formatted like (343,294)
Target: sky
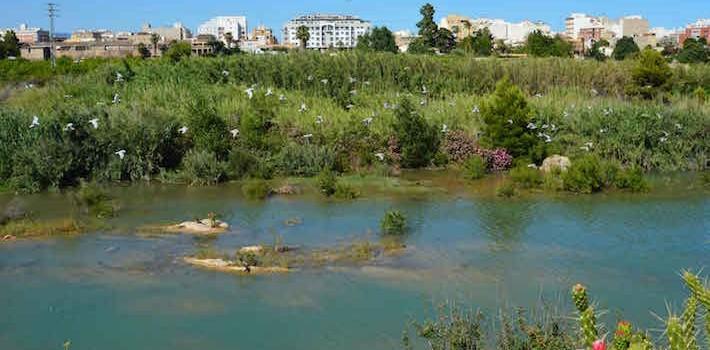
(129,15)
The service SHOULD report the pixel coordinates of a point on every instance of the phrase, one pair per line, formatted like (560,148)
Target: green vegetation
(378,39)
(548,327)
(474,168)
(94,200)
(478,44)
(178,50)
(394,223)
(694,51)
(540,45)
(9,45)
(526,177)
(625,48)
(208,120)
(256,189)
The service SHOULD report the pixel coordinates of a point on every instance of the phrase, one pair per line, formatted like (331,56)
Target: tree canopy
(10,45)
(542,45)
(479,44)
(303,36)
(378,39)
(625,48)
(694,51)
(428,29)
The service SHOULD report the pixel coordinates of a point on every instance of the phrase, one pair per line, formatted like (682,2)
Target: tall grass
(156,98)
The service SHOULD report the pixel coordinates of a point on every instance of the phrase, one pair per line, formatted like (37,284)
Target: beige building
(461,26)
(81,50)
(177,32)
(28,35)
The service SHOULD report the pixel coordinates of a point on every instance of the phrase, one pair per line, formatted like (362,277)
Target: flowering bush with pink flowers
(459,146)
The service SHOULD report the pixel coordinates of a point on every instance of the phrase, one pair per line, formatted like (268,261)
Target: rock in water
(555,162)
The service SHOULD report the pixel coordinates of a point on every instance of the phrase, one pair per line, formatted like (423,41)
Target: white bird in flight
(35,122)
(319,119)
(303,108)
(380,156)
(282,98)
(225,73)
(352,80)
(116,99)
(183,130)
(307,136)
(234,132)
(250,92)
(95,123)
(269,92)
(324,81)
(532,126)
(69,127)
(120,153)
(367,121)
(444,128)
(476,110)
(119,77)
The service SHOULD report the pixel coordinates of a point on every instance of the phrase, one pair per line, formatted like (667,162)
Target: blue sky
(396,14)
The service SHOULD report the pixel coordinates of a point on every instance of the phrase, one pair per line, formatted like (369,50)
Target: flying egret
(602,131)
(234,132)
(68,96)
(532,126)
(324,81)
(352,80)
(594,92)
(183,130)
(282,98)
(476,110)
(353,92)
(589,144)
(367,121)
(444,128)
(307,136)
(424,90)
(119,77)
(532,166)
(269,92)
(510,121)
(678,126)
(94,122)
(303,108)
(548,138)
(366,82)
(349,106)
(319,119)
(250,92)
(310,77)
(380,156)
(120,153)
(386,105)
(225,73)
(545,126)
(69,127)
(565,114)
(35,122)
(538,95)
(116,99)
(553,127)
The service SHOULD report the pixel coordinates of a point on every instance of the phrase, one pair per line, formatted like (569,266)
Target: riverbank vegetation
(552,328)
(203,121)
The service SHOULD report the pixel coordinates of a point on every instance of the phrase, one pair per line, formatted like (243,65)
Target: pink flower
(599,345)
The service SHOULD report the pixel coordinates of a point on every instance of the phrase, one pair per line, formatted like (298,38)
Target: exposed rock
(229,266)
(293,222)
(8,238)
(204,226)
(286,190)
(555,162)
(255,249)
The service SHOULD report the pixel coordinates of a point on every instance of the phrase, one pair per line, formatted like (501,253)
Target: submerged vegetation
(206,120)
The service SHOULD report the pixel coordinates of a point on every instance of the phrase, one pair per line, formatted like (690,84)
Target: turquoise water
(119,289)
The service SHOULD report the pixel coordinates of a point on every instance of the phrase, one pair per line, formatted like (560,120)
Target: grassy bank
(135,120)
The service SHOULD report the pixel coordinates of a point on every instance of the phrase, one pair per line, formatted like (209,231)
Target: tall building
(699,29)
(510,33)
(326,31)
(28,35)
(221,25)
(264,35)
(578,21)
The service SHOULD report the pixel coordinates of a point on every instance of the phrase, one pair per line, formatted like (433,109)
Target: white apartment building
(510,33)
(635,27)
(326,31)
(219,26)
(578,21)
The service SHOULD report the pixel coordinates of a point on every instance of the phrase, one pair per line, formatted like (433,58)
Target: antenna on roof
(52,13)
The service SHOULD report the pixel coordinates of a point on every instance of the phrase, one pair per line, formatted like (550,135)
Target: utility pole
(52,13)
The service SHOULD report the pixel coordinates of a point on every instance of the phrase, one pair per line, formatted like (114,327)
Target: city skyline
(130,15)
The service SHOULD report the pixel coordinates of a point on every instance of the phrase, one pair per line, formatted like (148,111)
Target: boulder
(254,249)
(286,190)
(555,162)
(203,226)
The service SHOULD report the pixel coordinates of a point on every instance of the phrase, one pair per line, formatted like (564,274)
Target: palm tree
(229,38)
(303,36)
(154,39)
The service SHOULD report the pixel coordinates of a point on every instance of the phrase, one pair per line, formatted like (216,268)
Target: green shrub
(506,116)
(256,189)
(632,180)
(474,168)
(203,168)
(178,50)
(526,177)
(586,175)
(651,75)
(417,139)
(94,200)
(209,132)
(394,223)
(247,259)
(506,190)
(241,163)
(327,182)
(345,191)
(304,159)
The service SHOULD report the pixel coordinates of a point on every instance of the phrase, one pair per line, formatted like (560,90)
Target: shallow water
(122,290)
